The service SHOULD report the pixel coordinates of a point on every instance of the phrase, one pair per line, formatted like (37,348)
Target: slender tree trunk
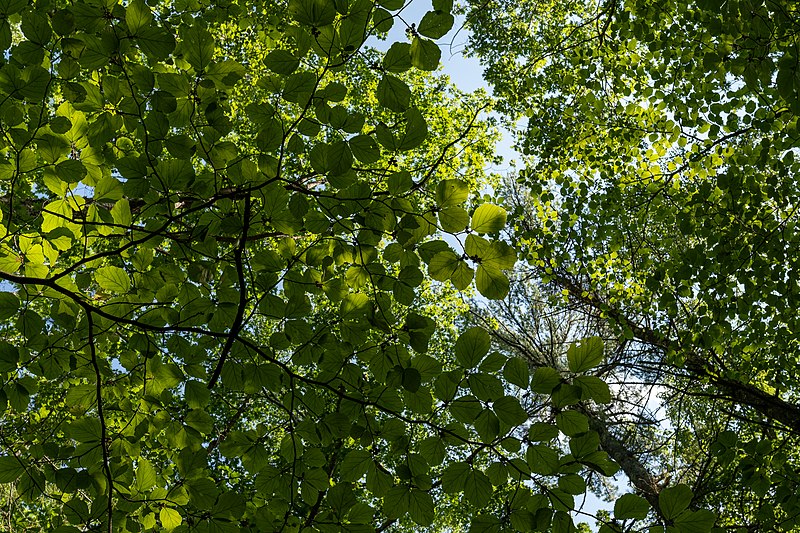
(770,406)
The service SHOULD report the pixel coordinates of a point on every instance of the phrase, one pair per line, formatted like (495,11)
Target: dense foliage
(659,198)
(237,238)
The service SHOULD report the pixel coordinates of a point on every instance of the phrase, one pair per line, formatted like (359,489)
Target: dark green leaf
(545,379)
(594,388)
(451,193)
(509,411)
(11,468)
(435,24)
(393,93)
(491,282)
(472,346)
(425,54)
(9,305)
(281,62)
(365,149)
(398,58)
(572,423)
(542,459)
(701,521)
(516,371)
(631,506)
(315,13)
(674,500)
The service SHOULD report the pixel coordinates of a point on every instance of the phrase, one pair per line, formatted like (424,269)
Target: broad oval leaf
(488,218)
(393,93)
(472,346)
(585,354)
(113,279)
(631,506)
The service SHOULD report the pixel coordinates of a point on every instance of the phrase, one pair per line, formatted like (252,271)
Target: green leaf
(393,93)
(453,219)
(299,88)
(465,409)
(401,182)
(701,521)
(315,13)
(198,419)
(541,432)
(451,193)
(454,477)
(425,54)
(36,27)
(198,47)
(411,379)
(435,24)
(113,279)
(462,276)
(545,379)
(85,430)
(594,388)
(585,445)
(108,189)
(9,357)
(81,396)
(11,469)
(9,305)
(491,282)
(477,488)
(339,159)
(509,411)
(442,265)
(11,7)
(572,423)
(565,395)
(488,218)
(485,386)
(542,459)
(674,500)
(170,518)
(631,506)
(383,20)
(416,131)
(145,476)
(121,213)
(354,305)
(420,507)
(156,42)
(137,16)
(447,265)
(585,354)
(355,465)
(281,62)
(71,170)
(572,484)
(366,150)
(397,501)
(498,255)
(472,346)
(397,58)
(516,371)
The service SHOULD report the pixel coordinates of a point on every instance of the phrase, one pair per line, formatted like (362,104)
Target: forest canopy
(255,274)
